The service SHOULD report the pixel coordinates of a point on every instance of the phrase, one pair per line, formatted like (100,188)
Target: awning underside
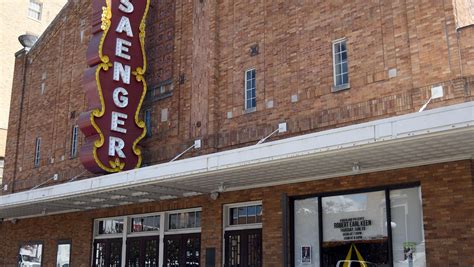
(439,135)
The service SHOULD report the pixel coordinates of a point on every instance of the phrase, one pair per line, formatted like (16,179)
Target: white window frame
(181,231)
(247,108)
(34,10)
(338,87)
(37,152)
(74,141)
(126,233)
(226,226)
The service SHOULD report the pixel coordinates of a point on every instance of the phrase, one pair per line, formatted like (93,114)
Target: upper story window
(341,68)
(37,151)
(75,131)
(147,119)
(35,9)
(250,89)
(184,220)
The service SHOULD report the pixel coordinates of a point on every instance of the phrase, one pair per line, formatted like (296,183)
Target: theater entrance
(182,250)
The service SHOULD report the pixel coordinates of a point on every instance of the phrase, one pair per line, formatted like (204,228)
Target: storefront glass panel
(306,233)
(354,229)
(407,228)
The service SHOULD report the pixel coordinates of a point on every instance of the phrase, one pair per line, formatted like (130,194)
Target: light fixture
(436,92)
(196,145)
(214,195)
(167,197)
(356,167)
(14,220)
(282,128)
(27,40)
(139,194)
(115,197)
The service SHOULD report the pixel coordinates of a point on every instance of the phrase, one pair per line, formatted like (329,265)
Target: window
(35,10)
(243,234)
(250,89)
(30,254)
(341,68)
(344,229)
(63,257)
(75,130)
(110,226)
(245,215)
(147,119)
(37,151)
(145,224)
(184,220)
(139,238)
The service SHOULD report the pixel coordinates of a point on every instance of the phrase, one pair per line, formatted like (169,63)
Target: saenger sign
(115,86)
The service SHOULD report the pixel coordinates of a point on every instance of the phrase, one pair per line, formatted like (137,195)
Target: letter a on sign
(115,85)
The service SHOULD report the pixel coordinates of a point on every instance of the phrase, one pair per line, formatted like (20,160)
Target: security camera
(214,195)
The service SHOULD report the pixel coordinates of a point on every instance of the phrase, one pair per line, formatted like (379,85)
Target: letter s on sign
(126,6)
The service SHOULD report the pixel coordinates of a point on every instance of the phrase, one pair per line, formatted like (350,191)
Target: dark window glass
(145,224)
(185,220)
(245,215)
(110,226)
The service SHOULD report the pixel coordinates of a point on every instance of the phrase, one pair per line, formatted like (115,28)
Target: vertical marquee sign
(115,86)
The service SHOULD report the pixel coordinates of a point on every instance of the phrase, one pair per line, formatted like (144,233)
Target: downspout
(23,86)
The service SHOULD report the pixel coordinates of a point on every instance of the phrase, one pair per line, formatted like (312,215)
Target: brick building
(18,18)
(368,109)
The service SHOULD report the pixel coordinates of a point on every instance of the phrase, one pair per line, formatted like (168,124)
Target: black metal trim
(319,196)
(32,242)
(291,224)
(389,226)
(284,206)
(320,230)
(64,242)
(357,191)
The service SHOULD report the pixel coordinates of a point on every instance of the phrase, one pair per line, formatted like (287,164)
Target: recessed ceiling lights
(143,200)
(167,197)
(117,197)
(139,194)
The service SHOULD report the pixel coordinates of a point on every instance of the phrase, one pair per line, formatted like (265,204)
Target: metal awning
(438,135)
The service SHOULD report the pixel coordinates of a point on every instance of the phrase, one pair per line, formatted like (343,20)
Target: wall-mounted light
(282,128)
(356,167)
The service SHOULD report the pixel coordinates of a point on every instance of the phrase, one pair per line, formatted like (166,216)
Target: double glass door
(142,251)
(182,250)
(243,248)
(107,253)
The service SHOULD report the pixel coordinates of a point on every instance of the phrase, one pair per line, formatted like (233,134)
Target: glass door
(182,250)
(107,253)
(142,251)
(243,248)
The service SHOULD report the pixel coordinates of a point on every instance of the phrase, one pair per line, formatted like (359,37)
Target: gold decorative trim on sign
(116,165)
(139,72)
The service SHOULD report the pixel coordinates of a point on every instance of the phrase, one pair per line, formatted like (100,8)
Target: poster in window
(306,254)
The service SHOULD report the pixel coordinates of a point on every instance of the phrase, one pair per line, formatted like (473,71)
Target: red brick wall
(448,205)
(203,50)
